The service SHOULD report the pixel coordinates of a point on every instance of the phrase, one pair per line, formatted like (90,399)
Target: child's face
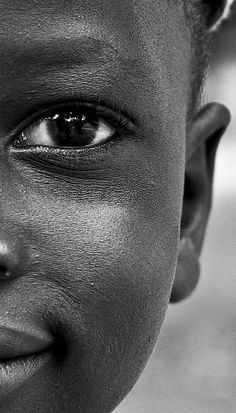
(96,230)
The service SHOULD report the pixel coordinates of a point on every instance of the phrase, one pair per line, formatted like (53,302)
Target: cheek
(104,264)
(114,266)
(110,258)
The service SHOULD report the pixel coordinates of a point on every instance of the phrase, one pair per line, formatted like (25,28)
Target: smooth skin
(94,233)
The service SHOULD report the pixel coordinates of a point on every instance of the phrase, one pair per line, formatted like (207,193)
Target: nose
(13,257)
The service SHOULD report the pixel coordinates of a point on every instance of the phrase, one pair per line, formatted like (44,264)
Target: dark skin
(92,235)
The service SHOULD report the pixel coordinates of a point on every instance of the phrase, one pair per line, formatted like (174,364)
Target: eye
(77,127)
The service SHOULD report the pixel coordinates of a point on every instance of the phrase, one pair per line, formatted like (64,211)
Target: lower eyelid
(67,157)
(97,163)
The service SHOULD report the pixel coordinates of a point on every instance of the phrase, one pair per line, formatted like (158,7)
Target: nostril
(14,255)
(4,272)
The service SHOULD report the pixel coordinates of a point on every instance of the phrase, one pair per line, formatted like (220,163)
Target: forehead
(120,25)
(112,14)
(113,47)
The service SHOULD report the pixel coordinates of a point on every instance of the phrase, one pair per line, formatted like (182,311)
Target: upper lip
(18,340)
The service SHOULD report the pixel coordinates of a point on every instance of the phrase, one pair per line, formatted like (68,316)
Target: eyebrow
(36,59)
(61,63)
(61,52)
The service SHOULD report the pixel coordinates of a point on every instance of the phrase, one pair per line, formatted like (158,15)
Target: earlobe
(201,145)
(187,271)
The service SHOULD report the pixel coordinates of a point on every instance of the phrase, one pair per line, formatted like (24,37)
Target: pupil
(72,130)
(3,272)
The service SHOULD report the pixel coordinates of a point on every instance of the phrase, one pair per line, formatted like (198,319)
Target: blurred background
(193,370)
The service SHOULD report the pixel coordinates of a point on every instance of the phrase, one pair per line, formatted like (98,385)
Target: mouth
(23,351)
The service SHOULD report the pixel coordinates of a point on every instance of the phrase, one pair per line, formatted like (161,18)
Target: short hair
(198,15)
(200,37)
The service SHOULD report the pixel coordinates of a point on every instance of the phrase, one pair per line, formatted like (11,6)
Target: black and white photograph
(118,249)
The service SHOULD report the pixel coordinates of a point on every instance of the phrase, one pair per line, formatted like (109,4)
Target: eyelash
(116,119)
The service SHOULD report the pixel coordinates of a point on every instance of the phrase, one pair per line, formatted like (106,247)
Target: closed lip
(22,339)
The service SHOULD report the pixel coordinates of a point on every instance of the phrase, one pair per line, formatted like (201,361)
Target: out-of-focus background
(193,369)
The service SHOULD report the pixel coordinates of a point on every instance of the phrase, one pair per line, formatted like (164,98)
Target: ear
(201,144)
(215,10)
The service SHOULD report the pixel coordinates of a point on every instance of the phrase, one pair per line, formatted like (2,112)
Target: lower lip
(14,372)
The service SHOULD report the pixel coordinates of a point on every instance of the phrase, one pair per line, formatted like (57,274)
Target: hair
(200,39)
(198,16)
